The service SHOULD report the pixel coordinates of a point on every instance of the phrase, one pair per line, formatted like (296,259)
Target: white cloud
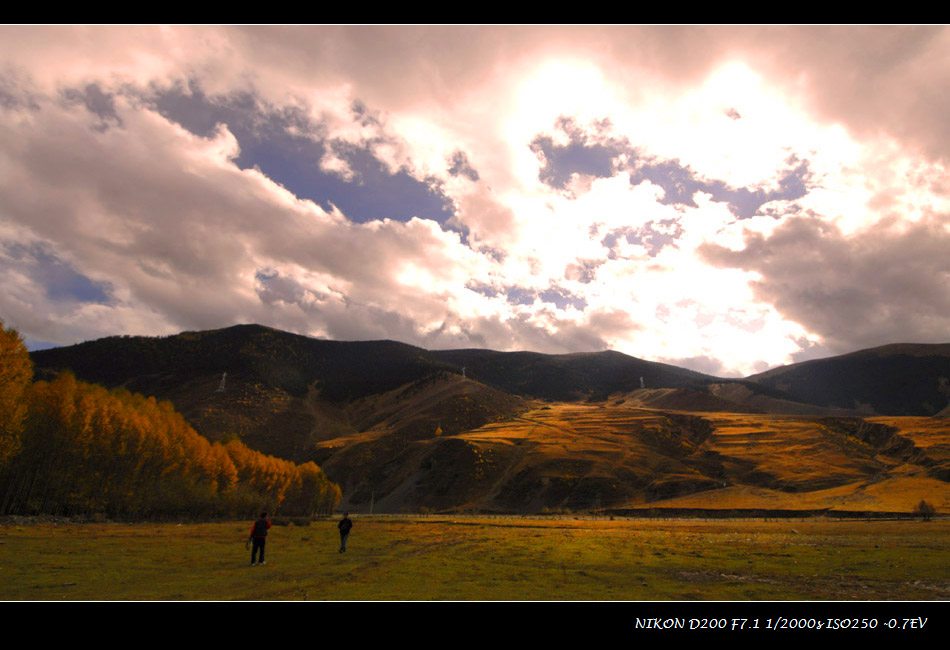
(181,234)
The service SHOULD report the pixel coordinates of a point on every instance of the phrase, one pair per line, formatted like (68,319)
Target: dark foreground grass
(482,559)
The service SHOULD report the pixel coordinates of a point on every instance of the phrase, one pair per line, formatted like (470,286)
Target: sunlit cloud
(729,199)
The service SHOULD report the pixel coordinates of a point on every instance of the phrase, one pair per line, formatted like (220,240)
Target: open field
(439,558)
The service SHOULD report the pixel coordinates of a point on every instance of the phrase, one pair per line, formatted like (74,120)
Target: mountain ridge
(856,381)
(403,427)
(901,379)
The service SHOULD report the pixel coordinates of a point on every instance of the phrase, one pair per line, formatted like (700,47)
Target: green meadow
(439,558)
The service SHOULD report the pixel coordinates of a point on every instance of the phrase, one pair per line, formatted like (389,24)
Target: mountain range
(401,427)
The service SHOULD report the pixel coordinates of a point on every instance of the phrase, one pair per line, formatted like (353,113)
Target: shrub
(924,510)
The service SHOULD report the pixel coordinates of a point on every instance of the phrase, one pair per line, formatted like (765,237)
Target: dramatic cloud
(724,198)
(885,284)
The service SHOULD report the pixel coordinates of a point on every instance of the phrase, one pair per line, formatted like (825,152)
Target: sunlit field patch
(437,558)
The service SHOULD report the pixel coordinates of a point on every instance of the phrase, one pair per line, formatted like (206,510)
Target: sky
(725,199)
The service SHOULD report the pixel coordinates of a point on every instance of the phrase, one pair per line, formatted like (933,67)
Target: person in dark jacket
(258,536)
(345,525)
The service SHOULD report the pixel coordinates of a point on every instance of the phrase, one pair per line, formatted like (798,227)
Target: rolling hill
(899,379)
(403,428)
(284,392)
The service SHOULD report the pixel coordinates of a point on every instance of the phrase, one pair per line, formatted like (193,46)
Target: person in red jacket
(258,536)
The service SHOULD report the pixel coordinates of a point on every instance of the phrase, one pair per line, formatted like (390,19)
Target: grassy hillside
(558,457)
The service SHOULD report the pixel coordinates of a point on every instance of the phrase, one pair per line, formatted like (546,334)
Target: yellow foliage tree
(80,448)
(16,372)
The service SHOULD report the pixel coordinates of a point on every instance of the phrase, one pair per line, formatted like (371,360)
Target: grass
(483,559)
(761,461)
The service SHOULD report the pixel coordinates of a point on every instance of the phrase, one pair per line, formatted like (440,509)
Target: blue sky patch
(583,271)
(96,102)
(560,162)
(519,296)
(267,143)
(556,296)
(58,278)
(679,183)
(483,288)
(655,235)
(34,344)
(561,298)
(459,166)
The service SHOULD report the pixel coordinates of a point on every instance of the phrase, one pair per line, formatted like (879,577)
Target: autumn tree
(16,372)
(81,449)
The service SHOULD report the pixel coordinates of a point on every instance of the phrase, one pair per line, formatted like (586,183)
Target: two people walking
(258,536)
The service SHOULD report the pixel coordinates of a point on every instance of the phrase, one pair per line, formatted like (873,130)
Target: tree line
(70,448)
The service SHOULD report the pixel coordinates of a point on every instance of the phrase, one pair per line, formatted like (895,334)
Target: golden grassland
(796,450)
(758,461)
(892,495)
(440,558)
(600,435)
